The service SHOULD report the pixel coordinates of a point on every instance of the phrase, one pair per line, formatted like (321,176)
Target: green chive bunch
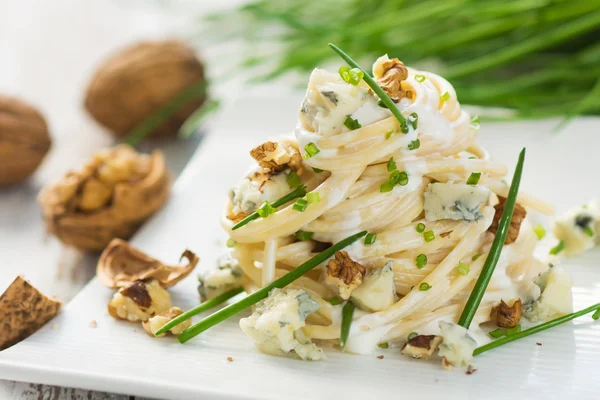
(396,177)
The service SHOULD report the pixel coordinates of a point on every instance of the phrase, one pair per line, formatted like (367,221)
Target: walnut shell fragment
(506,316)
(121,264)
(422,346)
(139,301)
(515,223)
(139,80)
(23,310)
(109,197)
(24,140)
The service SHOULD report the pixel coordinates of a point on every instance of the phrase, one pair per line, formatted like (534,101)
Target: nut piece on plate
(121,264)
(422,346)
(515,223)
(23,310)
(24,140)
(344,273)
(109,197)
(158,321)
(506,316)
(140,301)
(276,156)
(144,77)
(389,74)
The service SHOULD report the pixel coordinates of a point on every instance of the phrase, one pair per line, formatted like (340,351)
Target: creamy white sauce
(364,342)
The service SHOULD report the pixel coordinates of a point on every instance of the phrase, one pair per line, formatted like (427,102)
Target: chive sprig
(347,315)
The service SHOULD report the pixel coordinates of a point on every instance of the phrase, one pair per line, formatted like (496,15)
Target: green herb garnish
(539,231)
(230,243)
(558,248)
(311,150)
(370,238)
(414,145)
(429,236)
(391,165)
(420,227)
(463,269)
(413,120)
(474,178)
(335,301)
(424,286)
(317,170)
(352,124)
(421,261)
(266,209)
(412,335)
(384,345)
(313,197)
(386,187)
(497,333)
(352,76)
(293,179)
(347,314)
(303,235)
(300,205)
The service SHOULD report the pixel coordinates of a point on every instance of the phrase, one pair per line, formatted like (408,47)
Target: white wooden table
(48,51)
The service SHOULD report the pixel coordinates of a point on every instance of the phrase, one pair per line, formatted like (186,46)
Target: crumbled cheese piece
(158,321)
(227,276)
(578,228)
(276,324)
(457,201)
(556,299)
(377,290)
(457,347)
(140,301)
(256,188)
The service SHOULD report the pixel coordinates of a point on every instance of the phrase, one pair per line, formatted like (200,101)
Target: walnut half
(506,316)
(515,223)
(389,74)
(344,273)
(276,157)
(158,321)
(422,346)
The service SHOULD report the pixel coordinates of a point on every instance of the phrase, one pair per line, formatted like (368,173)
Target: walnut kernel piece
(121,264)
(389,74)
(23,310)
(158,321)
(237,217)
(140,301)
(515,223)
(506,316)
(421,346)
(276,157)
(344,273)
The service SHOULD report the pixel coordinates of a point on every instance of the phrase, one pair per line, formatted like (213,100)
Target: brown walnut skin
(137,81)
(24,140)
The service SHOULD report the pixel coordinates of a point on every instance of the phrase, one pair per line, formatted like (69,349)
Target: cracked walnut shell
(515,223)
(24,140)
(139,80)
(344,273)
(23,310)
(121,264)
(140,301)
(109,197)
(506,316)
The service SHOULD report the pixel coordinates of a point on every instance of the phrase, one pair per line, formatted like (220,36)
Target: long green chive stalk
(300,191)
(347,315)
(260,294)
(207,305)
(494,254)
(540,58)
(535,329)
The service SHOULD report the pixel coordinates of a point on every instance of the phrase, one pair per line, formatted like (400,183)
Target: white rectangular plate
(119,357)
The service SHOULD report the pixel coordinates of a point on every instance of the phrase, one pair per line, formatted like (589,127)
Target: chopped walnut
(158,321)
(276,157)
(389,74)
(506,316)
(237,217)
(140,301)
(344,273)
(515,223)
(422,346)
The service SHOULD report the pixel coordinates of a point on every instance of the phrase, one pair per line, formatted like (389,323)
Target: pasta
(365,171)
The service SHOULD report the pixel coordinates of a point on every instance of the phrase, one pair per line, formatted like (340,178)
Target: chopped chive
(429,236)
(351,123)
(494,254)
(536,329)
(463,269)
(230,243)
(352,76)
(558,248)
(311,150)
(383,345)
(303,235)
(381,104)
(293,179)
(335,301)
(474,178)
(386,187)
(265,210)
(370,238)
(317,170)
(472,158)
(347,314)
(391,165)
(446,96)
(476,256)
(403,179)
(294,194)
(588,231)
(394,178)
(313,197)
(424,286)
(404,128)
(596,315)
(475,124)
(420,227)
(413,120)
(414,145)
(262,293)
(412,335)
(539,231)
(373,85)
(300,205)
(420,78)
(512,331)
(497,333)
(421,261)
(389,134)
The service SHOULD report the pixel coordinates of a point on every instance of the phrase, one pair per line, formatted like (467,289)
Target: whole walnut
(24,140)
(136,82)
(110,197)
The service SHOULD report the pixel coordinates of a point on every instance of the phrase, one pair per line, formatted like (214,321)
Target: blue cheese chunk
(578,229)
(276,325)
(256,188)
(556,299)
(377,290)
(457,347)
(226,277)
(456,201)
